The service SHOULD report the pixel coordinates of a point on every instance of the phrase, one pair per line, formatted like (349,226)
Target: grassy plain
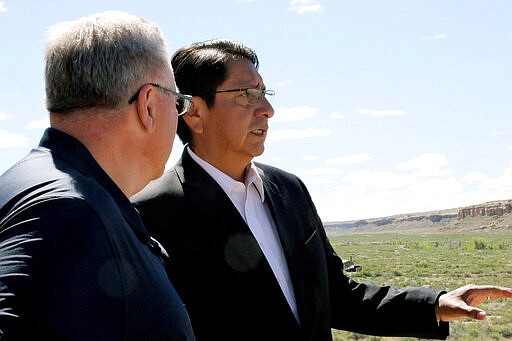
(438,260)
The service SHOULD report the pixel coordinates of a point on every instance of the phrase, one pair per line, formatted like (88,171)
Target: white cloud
(349,159)
(309,158)
(320,171)
(373,112)
(496,188)
(440,36)
(3,117)
(39,124)
(381,193)
(368,194)
(378,180)
(322,181)
(285,83)
(372,194)
(499,132)
(475,177)
(12,140)
(336,116)
(434,160)
(277,158)
(293,114)
(3,8)
(427,165)
(305,6)
(289,134)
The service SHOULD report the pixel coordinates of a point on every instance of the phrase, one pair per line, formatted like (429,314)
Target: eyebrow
(257,86)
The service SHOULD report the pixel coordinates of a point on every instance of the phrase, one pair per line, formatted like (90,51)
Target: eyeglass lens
(182,105)
(253,96)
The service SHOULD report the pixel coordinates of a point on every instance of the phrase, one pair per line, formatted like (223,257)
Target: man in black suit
(249,254)
(77,262)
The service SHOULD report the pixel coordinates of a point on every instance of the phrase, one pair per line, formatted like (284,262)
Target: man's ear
(196,115)
(146,108)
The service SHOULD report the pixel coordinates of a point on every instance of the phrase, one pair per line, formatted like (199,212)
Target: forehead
(241,72)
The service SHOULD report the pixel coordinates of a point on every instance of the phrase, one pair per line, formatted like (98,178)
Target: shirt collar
(225,181)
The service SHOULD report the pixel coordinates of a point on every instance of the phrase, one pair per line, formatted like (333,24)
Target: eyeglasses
(183,102)
(249,96)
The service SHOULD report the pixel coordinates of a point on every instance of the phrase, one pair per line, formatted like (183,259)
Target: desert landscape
(442,249)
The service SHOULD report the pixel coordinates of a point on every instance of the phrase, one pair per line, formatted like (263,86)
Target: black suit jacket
(227,285)
(78,263)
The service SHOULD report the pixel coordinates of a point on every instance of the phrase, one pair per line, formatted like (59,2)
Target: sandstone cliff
(495,208)
(490,215)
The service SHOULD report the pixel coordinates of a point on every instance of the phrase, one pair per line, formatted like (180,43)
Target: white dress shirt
(249,200)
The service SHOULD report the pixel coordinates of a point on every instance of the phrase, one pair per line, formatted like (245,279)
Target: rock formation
(490,209)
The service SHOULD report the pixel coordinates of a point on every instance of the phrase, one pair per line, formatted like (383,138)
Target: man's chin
(259,151)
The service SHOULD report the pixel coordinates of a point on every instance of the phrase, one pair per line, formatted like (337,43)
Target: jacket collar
(74,153)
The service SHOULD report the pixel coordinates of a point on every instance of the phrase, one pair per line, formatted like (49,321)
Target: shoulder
(274,174)
(41,177)
(160,202)
(166,186)
(269,170)
(52,219)
(56,201)
(42,193)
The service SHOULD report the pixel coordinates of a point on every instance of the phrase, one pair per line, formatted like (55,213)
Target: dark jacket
(90,270)
(227,285)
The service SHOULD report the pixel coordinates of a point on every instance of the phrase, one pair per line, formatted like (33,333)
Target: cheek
(234,133)
(237,125)
(174,124)
(169,131)
(172,130)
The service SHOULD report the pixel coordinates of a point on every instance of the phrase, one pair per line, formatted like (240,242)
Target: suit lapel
(278,210)
(278,205)
(205,195)
(222,221)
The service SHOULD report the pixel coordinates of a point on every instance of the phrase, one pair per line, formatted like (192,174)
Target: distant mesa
(496,215)
(494,208)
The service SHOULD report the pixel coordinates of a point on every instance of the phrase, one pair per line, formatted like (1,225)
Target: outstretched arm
(463,302)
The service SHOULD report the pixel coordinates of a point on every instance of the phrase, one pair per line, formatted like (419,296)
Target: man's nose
(266,108)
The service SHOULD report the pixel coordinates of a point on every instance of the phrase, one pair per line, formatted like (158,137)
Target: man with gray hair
(85,266)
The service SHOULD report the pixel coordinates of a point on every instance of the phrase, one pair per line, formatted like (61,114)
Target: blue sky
(382,107)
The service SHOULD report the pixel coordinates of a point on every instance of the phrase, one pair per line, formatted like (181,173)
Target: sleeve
(62,274)
(372,309)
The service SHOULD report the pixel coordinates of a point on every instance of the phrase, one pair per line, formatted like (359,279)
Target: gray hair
(98,60)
